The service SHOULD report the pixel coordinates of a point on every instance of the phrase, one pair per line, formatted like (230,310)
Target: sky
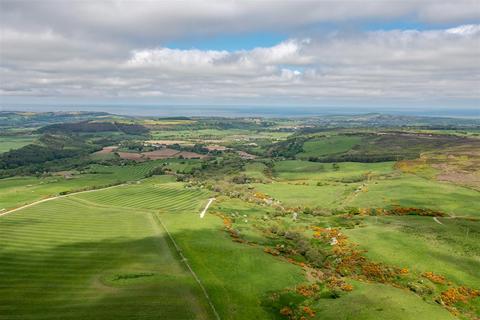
(379,54)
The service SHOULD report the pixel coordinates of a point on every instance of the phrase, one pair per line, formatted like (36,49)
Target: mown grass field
(228,270)
(110,254)
(71,259)
(18,191)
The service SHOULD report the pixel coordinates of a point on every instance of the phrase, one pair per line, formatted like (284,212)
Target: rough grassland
(451,247)
(376,301)
(328,145)
(412,191)
(305,170)
(366,301)
(69,260)
(329,196)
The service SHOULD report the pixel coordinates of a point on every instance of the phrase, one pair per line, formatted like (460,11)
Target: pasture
(366,301)
(292,195)
(411,191)
(407,241)
(324,146)
(8,143)
(71,259)
(378,301)
(108,253)
(229,271)
(306,170)
(19,191)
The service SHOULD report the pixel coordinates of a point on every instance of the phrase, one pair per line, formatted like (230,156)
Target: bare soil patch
(161,154)
(131,156)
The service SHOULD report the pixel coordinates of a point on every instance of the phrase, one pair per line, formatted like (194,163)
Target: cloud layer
(114,50)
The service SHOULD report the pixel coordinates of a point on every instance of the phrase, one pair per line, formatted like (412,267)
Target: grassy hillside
(332,219)
(8,143)
(66,259)
(450,245)
(18,191)
(324,146)
(229,271)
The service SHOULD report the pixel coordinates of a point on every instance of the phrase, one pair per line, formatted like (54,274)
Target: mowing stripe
(56,197)
(179,251)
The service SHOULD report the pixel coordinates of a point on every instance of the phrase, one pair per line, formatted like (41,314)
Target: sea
(246,110)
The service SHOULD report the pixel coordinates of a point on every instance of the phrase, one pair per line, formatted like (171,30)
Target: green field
(366,301)
(285,237)
(68,259)
(8,143)
(18,191)
(377,301)
(229,271)
(412,191)
(450,246)
(306,170)
(382,187)
(328,196)
(318,147)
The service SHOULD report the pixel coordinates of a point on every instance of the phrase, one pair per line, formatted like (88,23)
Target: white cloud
(117,49)
(469,29)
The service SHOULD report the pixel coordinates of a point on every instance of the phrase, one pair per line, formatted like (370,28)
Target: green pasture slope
(18,191)
(102,253)
(451,247)
(370,301)
(72,259)
(8,143)
(235,276)
(328,196)
(367,300)
(324,146)
(296,184)
(306,170)
(412,191)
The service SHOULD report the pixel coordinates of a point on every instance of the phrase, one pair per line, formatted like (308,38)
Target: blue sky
(231,42)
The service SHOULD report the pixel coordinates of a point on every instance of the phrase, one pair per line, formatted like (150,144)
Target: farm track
(354,194)
(202,214)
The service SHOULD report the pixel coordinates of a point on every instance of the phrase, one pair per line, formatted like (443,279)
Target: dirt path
(202,214)
(56,197)
(436,220)
(354,194)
